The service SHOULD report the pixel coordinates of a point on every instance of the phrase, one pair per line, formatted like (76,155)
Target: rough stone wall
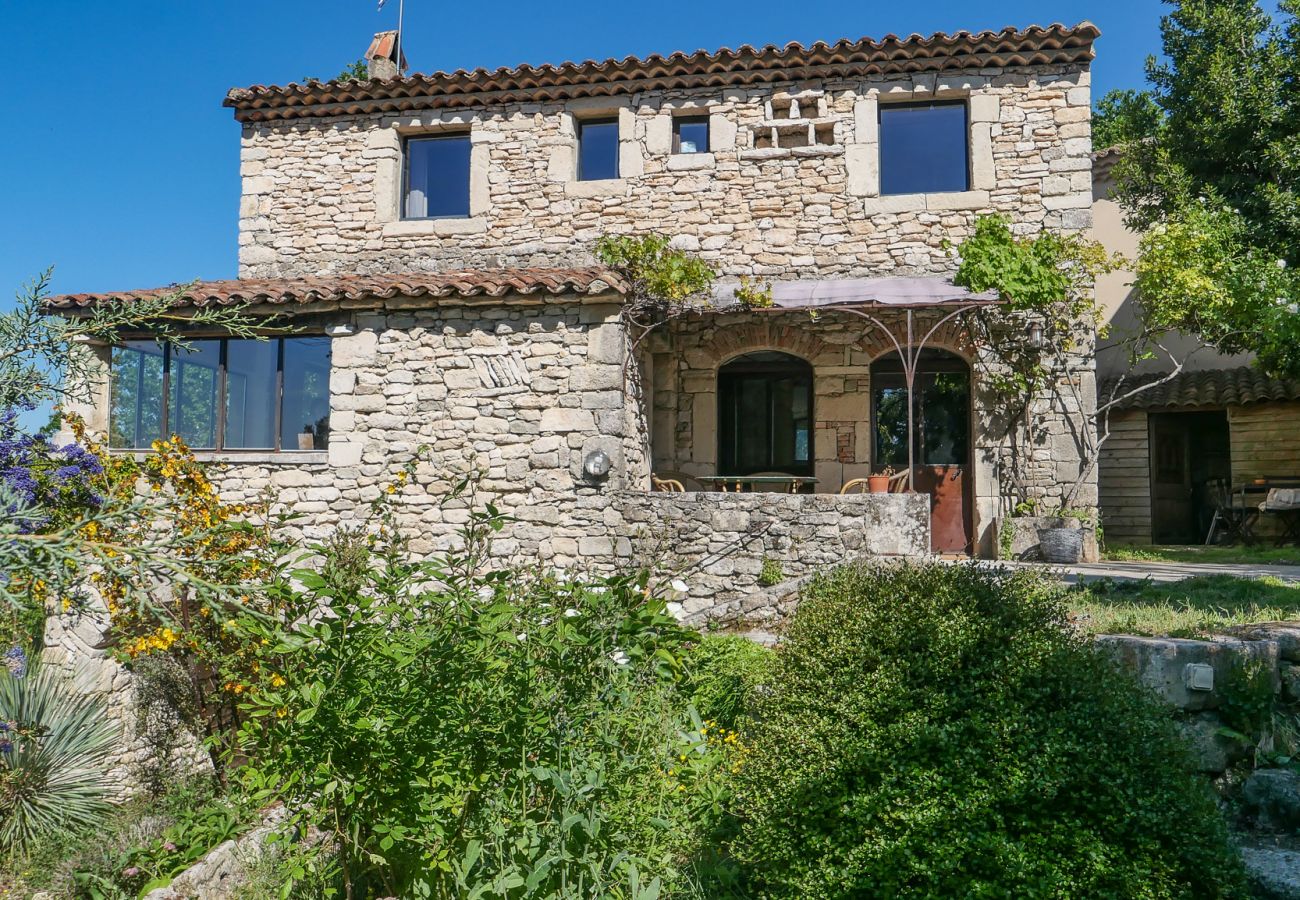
(778,196)
(520,392)
(1198,678)
(71,646)
(718,543)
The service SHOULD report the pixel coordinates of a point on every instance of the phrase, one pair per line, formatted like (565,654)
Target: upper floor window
(691,134)
(923,148)
(597,149)
(222,394)
(437,177)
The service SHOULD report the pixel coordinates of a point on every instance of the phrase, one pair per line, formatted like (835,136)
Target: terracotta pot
(878,484)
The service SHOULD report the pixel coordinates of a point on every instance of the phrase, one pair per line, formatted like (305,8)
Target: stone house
(1219,420)
(429,238)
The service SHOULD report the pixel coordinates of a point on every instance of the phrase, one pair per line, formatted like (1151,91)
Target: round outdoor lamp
(1036,340)
(597,464)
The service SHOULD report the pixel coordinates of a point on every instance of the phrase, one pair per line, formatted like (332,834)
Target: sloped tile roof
(1055,44)
(1212,387)
(334,288)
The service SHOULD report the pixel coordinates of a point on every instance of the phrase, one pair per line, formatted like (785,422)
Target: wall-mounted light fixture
(1035,337)
(597,464)
(343,330)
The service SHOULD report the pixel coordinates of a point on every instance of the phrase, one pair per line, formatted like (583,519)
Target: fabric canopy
(895,293)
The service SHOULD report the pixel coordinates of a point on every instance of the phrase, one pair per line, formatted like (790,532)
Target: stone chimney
(381,58)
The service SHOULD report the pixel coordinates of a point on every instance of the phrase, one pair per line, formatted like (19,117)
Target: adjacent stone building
(431,238)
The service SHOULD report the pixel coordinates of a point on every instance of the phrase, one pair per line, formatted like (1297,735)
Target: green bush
(459,731)
(937,731)
(722,674)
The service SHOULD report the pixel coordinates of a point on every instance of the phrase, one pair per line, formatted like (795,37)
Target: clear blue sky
(121,167)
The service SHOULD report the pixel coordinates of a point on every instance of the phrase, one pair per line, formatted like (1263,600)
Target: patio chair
(1235,520)
(667,485)
(897,484)
(1284,504)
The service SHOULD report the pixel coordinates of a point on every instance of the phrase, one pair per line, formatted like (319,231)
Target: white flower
(1281,263)
(1293,308)
(678,585)
(570,613)
(600,590)
(621,658)
(546,621)
(521,636)
(486,592)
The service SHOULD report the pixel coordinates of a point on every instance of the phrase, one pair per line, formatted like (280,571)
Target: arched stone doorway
(765,415)
(942,438)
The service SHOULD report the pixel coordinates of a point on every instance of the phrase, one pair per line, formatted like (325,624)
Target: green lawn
(1189,608)
(1260,554)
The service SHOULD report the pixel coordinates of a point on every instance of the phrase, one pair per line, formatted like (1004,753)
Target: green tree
(1216,186)
(1124,116)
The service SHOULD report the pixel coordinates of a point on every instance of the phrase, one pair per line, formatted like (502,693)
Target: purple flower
(130,871)
(15,660)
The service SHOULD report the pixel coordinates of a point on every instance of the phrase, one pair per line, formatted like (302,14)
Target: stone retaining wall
(720,542)
(1197,677)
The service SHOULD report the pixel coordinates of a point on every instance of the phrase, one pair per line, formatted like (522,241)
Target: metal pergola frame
(909,350)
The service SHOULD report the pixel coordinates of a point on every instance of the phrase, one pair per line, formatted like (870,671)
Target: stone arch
(725,344)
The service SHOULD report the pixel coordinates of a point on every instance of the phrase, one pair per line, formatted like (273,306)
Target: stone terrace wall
(720,541)
(322,195)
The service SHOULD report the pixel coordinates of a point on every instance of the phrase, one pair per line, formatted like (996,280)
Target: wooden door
(1172,497)
(950,530)
(941,439)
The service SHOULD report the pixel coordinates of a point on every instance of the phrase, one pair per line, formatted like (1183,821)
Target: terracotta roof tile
(335,288)
(1055,44)
(1212,387)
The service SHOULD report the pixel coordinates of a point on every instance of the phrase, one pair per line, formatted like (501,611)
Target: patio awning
(863,293)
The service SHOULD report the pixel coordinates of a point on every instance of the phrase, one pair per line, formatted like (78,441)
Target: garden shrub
(56,744)
(937,731)
(722,672)
(458,731)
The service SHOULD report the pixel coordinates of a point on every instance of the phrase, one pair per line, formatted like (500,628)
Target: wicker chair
(667,485)
(897,484)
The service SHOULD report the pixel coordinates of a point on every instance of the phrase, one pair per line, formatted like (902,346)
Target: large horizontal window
(437,177)
(222,394)
(923,148)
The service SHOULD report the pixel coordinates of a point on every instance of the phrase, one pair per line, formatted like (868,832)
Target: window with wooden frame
(222,394)
(691,134)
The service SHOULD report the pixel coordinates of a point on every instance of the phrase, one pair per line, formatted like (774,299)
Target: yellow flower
(277,680)
(281,712)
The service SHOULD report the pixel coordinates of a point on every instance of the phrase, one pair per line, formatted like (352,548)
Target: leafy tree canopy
(1124,116)
(1220,176)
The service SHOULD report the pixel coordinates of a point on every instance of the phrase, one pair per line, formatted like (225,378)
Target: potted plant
(879,484)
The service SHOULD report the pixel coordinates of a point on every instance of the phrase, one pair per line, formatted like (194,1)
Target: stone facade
(524,389)
(790,189)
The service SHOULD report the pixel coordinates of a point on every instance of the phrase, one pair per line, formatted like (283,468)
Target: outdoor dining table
(1289,518)
(746,483)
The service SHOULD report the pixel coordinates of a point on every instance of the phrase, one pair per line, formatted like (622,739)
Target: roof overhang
(1054,45)
(282,295)
(897,293)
